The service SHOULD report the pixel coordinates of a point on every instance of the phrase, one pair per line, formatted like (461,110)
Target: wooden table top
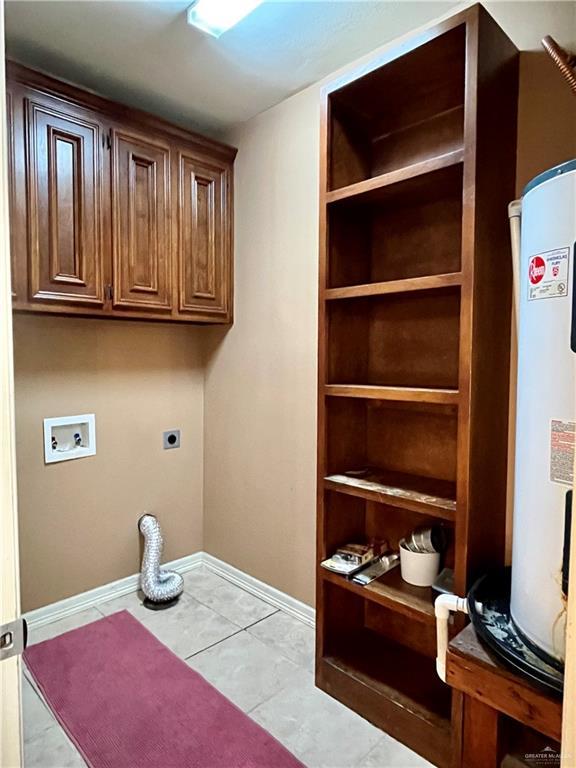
(474,670)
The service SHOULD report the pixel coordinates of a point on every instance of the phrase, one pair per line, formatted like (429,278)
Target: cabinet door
(64,181)
(141,243)
(204,238)
(17,214)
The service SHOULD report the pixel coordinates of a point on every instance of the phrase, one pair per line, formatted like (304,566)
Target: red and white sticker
(548,274)
(562,439)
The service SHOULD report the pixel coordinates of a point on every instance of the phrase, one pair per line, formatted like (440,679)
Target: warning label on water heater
(548,274)
(562,434)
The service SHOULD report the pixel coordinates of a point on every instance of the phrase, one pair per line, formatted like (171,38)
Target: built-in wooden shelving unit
(415,283)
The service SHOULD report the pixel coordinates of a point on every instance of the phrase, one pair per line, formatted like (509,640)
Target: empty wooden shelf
(432,497)
(400,394)
(410,339)
(400,450)
(403,285)
(414,329)
(401,113)
(406,230)
(376,187)
(418,693)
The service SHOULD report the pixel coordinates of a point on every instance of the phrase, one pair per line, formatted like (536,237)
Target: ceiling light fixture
(216,16)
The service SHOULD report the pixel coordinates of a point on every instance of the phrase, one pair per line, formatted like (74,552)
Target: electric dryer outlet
(171,439)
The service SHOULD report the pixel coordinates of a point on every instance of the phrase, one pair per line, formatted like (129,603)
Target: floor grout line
(206,569)
(259,621)
(212,608)
(223,640)
(380,740)
(267,699)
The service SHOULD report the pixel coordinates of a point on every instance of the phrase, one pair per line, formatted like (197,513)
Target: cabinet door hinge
(13,638)
(107,139)
(109,292)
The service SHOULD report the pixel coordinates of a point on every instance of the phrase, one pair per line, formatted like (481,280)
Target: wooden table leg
(480,738)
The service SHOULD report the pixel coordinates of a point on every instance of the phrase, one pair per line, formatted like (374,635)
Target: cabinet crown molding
(65,89)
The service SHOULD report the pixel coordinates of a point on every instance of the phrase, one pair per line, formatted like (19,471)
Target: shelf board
(386,708)
(413,171)
(436,498)
(392,592)
(397,673)
(425,283)
(398,394)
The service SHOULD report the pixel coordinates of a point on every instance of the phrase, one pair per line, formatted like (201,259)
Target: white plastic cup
(418,568)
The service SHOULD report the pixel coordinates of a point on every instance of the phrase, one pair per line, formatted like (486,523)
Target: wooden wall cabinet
(414,342)
(115,213)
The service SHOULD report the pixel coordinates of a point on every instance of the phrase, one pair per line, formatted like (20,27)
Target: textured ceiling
(145,54)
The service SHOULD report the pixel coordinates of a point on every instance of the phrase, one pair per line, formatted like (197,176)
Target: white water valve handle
(443,606)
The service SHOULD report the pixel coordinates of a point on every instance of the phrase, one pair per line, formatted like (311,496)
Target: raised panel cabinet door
(204,251)
(64,203)
(141,243)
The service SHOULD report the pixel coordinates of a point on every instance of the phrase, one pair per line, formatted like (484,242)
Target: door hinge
(13,638)
(109,292)
(107,140)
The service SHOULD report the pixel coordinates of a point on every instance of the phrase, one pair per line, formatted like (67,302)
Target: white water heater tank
(545,413)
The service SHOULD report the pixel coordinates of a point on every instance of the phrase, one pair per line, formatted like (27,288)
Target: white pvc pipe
(443,606)
(515,216)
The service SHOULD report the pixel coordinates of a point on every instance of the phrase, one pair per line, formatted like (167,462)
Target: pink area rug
(127,701)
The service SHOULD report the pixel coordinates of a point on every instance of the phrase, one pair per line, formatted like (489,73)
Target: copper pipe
(565,61)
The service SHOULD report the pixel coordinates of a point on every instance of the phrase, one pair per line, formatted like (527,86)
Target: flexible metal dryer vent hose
(159,586)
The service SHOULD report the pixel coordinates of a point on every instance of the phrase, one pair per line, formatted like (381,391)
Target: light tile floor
(260,658)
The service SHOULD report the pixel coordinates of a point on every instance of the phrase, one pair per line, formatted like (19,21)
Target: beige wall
(260,423)
(260,394)
(546,117)
(78,518)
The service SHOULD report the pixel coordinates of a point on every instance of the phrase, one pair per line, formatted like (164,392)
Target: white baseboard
(84,600)
(81,602)
(260,589)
